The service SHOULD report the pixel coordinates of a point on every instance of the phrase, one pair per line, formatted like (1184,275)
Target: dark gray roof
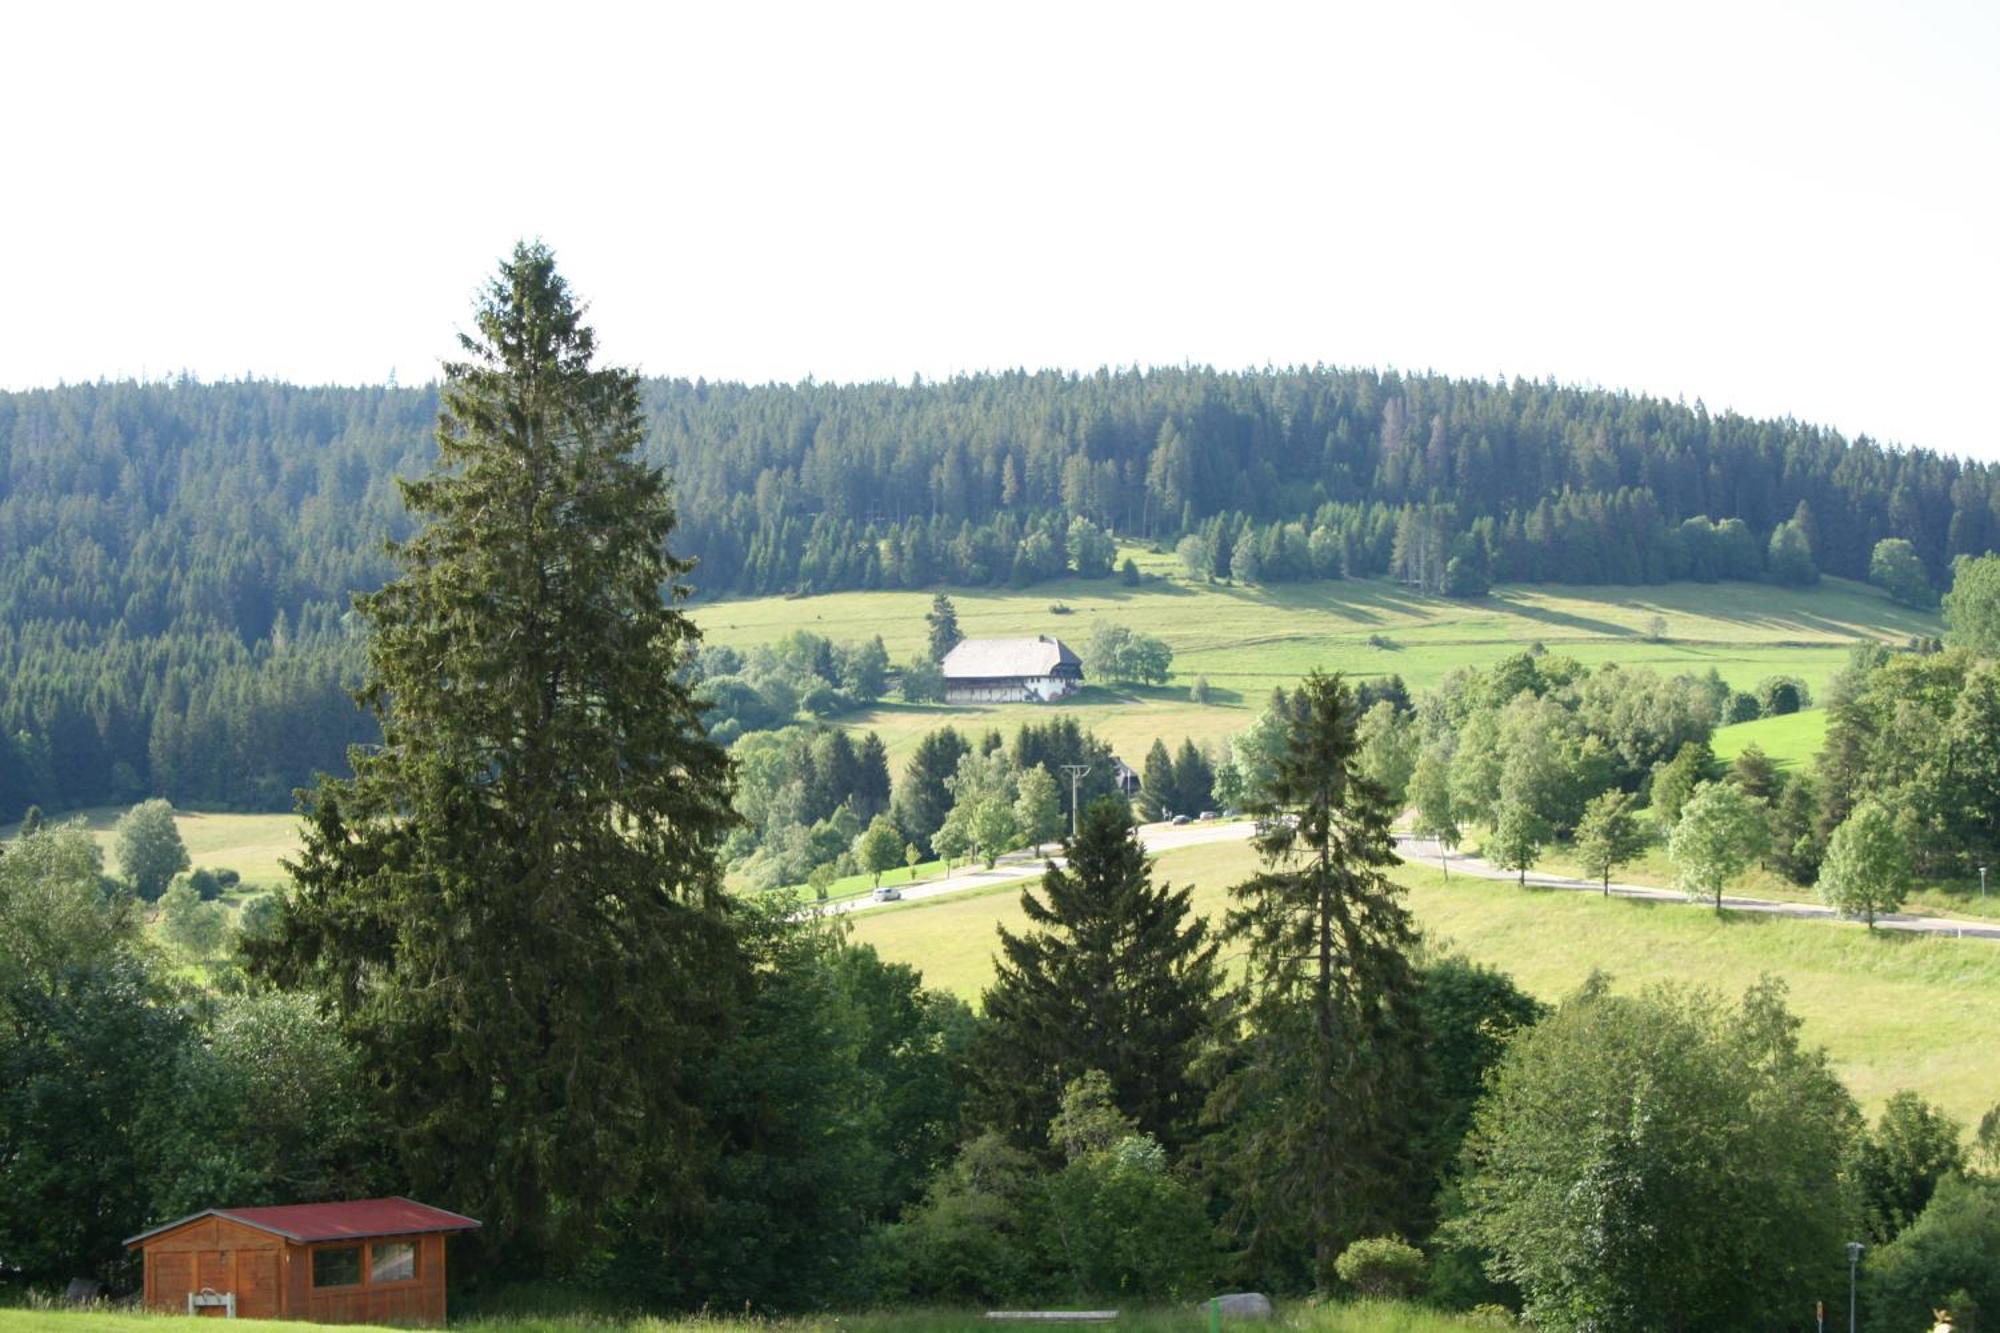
(989,659)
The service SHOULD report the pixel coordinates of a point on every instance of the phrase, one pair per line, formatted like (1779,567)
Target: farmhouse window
(391,1261)
(337,1267)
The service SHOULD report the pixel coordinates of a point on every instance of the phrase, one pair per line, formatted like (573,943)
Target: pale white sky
(1781,208)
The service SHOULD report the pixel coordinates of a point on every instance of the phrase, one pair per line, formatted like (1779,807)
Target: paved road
(1017,866)
(1424,851)
(1166,837)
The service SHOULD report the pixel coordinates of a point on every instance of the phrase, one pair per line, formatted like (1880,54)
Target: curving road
(1424,851)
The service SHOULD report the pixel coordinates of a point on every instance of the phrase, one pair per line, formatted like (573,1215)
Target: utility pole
(1076,775)
(1854,1249)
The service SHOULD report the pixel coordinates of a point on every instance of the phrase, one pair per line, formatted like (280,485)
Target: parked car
(888,893)
(1180,819)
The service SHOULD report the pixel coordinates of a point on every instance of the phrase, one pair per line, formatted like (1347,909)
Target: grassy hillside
(1247,640)
(1896,1011)
(1791,741)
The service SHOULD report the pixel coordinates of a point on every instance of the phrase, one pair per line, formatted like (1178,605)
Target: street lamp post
(1854,1249)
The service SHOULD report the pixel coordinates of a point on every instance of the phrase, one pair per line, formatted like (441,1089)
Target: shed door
(214,1270)
(256,1284)
(173,1278)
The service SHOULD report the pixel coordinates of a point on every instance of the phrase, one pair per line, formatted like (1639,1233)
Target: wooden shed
(373,1261)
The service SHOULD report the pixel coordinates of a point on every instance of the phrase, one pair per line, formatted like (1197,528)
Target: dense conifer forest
(176,559)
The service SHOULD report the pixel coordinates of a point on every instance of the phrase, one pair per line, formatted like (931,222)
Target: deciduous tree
(1519,834)
(880,846)
(1659,1162)
(1866,869)
(1609,836)
(150,850)
(1721,833)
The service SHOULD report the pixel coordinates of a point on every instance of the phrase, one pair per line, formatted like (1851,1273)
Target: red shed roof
(358,1219)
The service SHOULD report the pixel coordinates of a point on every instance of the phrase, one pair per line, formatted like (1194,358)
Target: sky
(1781,209)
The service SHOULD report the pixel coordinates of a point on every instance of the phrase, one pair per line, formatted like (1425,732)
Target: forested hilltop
(176,559)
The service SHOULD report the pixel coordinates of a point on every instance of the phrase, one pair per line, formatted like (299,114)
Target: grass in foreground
(1357,1317)
(1896,1011)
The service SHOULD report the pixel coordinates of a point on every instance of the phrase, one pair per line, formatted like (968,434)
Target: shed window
(392,1261)
(338,1267)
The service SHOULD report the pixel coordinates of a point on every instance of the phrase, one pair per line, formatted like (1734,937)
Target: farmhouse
(371,1261)
(1009,671)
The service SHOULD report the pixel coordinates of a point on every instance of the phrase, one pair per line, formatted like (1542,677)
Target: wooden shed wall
(222,1255)
(419,1300)
(273,1277)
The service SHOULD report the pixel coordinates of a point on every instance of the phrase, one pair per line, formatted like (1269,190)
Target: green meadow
(1895,1010)
(1303,1316)
(1246,640)
(1791,741)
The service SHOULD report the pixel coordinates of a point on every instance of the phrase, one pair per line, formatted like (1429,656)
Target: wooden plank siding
(416,1300)
(222,1256)
(273,1277)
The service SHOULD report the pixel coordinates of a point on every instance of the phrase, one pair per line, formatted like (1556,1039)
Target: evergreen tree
(943,623)
(871,779)
(1754,772)
(1159,796)
(1194,780)
(514,906)
(923,799)
(1326,1106)
(1118,976)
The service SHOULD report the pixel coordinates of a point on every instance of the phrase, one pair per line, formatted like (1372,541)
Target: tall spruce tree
(514,905)
(1325,1109)
(922,798)
(1120,976)
(1159,795)
(943,624)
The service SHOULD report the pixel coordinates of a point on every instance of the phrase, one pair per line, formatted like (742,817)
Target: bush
(206,883)
(922,683)
(1198,692)
(189,923)
(1381,1266)
(1942,1260)
(1779,695)
(1743,707)
(1059,608)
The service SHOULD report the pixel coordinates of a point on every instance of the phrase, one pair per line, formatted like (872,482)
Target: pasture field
(1356,1317)
(1246,640)
(252,845)
(1896,1011)
(1791,741)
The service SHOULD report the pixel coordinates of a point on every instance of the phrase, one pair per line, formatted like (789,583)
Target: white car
(888,893)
